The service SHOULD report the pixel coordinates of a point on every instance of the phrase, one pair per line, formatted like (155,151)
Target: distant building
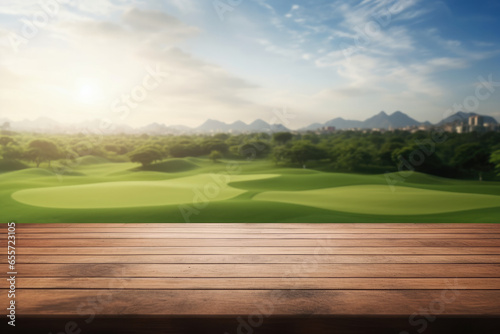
(472,124)
(326,129)
(450,127)
(476,120)
(462,128)
(491,127)
(476,124)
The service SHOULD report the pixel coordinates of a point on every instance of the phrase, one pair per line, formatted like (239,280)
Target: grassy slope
(383,200)
(241,208)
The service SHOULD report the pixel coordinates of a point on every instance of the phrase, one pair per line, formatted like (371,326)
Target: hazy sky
(183,61)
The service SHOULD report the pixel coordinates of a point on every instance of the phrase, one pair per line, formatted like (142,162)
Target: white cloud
(115,54)
(185,6)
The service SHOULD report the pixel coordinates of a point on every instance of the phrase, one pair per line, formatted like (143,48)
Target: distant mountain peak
(258,121)
(461,116)
(379,121)
(213,121)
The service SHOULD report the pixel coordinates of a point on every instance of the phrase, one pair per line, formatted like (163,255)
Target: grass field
(197,190)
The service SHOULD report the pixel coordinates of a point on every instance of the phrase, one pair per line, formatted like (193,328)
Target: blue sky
(249,59)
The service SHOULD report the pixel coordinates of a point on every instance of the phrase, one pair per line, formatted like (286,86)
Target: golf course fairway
(383,200)
(198,190)
(128,194)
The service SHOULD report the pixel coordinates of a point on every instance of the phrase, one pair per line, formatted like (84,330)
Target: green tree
(146,156)
(473,157)
(214,145)
(40,150)
(303,151)
(351,157)
(282,137)
(384,156)
(6,140)
(312,137)
(280,153)
(13,152)
(185,149)
(495,159)
(414,158)
(255,149)
(221,136)
(215,155)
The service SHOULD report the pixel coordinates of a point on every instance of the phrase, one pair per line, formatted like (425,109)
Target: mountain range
(380,121)
(463,117)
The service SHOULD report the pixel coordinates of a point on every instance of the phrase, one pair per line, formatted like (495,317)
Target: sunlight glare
(88,92)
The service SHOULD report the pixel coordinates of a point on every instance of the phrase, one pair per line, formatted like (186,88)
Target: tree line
(471,155)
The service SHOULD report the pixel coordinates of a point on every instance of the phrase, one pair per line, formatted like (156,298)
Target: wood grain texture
(223,242)
(253,283)
(258,250)
(325,235)
(227,230)
(308,269)
(269,225)
(217,270)
(266,302)
(255,259)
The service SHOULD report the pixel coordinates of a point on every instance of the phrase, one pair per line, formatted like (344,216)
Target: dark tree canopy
(495,159)
(303,151)
(472,157)
(282,137)
(215,156)
(40,150)
(467,155)
(254,150)
(146,156)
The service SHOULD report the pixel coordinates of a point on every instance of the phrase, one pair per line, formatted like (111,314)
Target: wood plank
(261,270)
(266,302)
(270,225)
(258,250)
(319,229)
(325,235)
(226,269)
(257,283)
(188,242)
(251,258)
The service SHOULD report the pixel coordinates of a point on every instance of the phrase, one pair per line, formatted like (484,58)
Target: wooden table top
(269,269)
(224,269)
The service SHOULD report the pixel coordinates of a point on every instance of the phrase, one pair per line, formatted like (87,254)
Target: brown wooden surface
(281,302)
(357,270)
(256,242)
(254,259)
(194,250)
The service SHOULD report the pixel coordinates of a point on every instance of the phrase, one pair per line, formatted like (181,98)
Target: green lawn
(197,190)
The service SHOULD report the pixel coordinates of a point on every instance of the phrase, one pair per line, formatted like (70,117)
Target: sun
(88,91)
